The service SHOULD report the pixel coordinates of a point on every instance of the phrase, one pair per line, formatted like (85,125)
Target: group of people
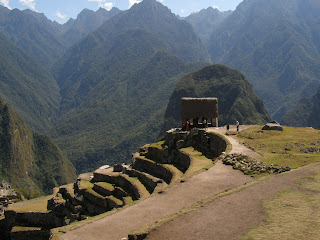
(237,125)
(186,125)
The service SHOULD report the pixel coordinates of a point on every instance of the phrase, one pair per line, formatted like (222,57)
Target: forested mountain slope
(86,22)
(26,86)
(33,33)
(276,44)
(31,162)
(306,113)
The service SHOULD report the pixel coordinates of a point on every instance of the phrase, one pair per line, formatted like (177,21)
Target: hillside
(305,114)
(276,45)
(86,22)
(116,82)
(33,33)
(205,21)
(26,86)
(31,162)
(125,109)
(237,100)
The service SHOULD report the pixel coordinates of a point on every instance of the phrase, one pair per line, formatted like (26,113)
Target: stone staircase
(154,168)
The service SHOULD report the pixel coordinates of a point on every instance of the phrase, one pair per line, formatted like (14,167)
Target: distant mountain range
(205,21)
(31,162)
(276,44)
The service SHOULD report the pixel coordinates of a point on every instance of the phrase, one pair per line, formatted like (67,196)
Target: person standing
(238,124)
(188,125)
(205,123)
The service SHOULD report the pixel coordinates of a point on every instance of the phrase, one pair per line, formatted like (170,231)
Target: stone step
(143,164)
(103,188)
(129,184)
(149,181)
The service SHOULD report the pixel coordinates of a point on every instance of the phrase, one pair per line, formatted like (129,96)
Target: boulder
(273,126)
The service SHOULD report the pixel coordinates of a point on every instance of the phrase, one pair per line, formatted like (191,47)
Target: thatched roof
(199,107)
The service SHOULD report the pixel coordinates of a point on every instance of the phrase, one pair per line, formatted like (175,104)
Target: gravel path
(236,146)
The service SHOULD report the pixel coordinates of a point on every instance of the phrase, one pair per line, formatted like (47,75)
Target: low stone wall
(251,166)
(157,170)
(120,181)
(32,234)
(148,182)
(210,144)
(33,219)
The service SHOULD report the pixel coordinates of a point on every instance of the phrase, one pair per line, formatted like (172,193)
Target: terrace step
(162,171)
(149,181)
(132,186)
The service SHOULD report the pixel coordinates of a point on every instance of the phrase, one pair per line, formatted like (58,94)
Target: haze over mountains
(276,44)
(100,84)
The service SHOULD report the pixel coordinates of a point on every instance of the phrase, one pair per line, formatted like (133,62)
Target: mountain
(86,22)
(31,162)
(26,86)
(33,33)
(118,104)
(304,114)
(237,100)
(276,44)
(205,21)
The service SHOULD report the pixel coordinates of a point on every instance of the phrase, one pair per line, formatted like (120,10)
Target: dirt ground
(231,216)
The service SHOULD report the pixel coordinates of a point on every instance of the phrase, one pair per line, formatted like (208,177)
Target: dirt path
(236,146)
(231,216)
(218,179)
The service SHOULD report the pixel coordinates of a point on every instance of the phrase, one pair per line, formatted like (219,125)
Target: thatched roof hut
(192,108)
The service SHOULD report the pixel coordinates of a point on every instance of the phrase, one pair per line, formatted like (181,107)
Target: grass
(105,185)
(116,200)
(158,145)
(198,164)
(141,188)
(21,229)
(282,148)
(34,205)
(84,184)
(292,214)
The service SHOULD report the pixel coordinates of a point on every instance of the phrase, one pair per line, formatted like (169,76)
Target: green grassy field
(283,148)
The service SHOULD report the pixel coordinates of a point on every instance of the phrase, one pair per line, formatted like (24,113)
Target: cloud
(103,4)
(29,3)
(132,2)
(215,6)
(5,3)
(60,15)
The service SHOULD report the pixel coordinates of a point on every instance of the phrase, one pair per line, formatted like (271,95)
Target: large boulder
(273,126)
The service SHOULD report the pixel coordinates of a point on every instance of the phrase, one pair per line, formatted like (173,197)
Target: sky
(62,10)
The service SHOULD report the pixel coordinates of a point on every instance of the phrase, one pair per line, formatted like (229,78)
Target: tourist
(238,124)
(205,123)
(183,126)
(228,127)
(188,125)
